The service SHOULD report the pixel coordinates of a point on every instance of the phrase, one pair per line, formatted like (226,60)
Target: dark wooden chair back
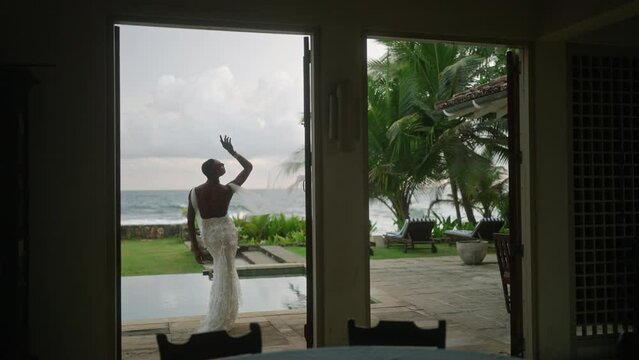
(487,227)
(503,249)
(420,230)
(397,333)
(211,345)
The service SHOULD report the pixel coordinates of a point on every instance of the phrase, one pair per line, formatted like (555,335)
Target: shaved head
(212,168)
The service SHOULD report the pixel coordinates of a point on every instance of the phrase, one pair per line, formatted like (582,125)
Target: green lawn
(395,252)
(170,256)
(160,256)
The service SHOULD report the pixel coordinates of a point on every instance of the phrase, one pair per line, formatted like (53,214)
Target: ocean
(147,207)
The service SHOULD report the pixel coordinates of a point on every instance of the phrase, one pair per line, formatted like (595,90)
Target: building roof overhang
(478,101)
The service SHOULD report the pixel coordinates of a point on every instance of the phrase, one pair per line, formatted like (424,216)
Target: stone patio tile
(272,313)
(500,335)
(463,342)
(145,329)
(388,303)
(286,347)
(423,290)
(402,316)
(141,355)
(248,320)
(294,320)
(381,311)
(184,326)
(274,340)
(139,342)
(280,325)
(299,330)
(299,343)
(180,338)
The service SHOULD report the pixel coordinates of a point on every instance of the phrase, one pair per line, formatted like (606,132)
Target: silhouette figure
(210,203)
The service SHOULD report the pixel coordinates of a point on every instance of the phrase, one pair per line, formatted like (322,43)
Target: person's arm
(247,167)
(190,219)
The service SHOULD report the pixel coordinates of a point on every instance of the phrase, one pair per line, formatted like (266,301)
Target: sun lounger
(484,230)
(414,231)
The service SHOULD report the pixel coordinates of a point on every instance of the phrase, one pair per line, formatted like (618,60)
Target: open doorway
(179,90)
(444,190)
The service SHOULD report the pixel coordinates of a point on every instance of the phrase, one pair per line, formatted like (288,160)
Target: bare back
(213,200)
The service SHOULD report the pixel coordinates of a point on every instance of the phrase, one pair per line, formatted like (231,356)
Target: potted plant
(472,252)
(375,240)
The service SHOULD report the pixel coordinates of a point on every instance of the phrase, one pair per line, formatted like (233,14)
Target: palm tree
(293,166)
(410,144)
(395,173)
(489,190)
(406,84)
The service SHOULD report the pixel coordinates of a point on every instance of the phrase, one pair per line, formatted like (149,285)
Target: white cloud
(375,49)
(186,116)
(182,88)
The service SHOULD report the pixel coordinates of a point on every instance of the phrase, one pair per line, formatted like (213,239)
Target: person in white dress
(209,202)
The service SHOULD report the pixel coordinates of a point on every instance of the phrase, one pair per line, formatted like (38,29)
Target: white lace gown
(219,236)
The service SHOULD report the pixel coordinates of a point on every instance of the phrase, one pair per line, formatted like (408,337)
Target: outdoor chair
(484,230)
(397,333)
(414,231)
(504,254)
(211,345)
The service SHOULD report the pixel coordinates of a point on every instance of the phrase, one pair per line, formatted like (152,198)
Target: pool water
(159,296)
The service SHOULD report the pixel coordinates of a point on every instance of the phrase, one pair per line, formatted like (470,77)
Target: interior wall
(565,20)
(341,269)
(70,288)
(551,215)
(72,264)
(553,264)
(557,15)
(620,34)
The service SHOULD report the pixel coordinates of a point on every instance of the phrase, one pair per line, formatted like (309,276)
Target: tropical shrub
(271,229)
(442,224)
(372,227)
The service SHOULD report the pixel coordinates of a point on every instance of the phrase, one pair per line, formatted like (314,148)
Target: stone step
(262,270)
(283,255)
(240,261)
(258,257)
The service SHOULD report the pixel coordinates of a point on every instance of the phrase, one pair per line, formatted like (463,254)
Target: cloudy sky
(181,89)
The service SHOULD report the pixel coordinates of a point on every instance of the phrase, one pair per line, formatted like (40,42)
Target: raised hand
(226,144)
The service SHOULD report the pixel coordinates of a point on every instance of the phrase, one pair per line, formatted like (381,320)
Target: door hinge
(307,56)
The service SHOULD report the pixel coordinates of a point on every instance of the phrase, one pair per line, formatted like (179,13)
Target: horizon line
(248,188)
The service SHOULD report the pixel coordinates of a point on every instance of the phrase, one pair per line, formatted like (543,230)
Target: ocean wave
(153,222)
(164,207)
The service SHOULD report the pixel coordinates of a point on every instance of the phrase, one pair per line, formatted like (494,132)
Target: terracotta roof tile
(498,85)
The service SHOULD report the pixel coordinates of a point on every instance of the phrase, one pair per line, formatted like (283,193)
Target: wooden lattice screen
(605,115)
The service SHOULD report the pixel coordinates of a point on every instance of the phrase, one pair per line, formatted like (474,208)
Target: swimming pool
(159,296)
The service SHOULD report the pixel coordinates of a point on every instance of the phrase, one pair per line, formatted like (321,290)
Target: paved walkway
(423,290)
